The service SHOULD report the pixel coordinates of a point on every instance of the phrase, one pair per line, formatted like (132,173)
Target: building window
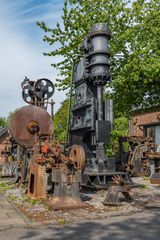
(153,132)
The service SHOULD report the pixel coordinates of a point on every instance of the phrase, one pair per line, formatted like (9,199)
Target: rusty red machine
(45,166)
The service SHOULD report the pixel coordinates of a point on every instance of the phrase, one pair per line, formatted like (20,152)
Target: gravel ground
(145,196)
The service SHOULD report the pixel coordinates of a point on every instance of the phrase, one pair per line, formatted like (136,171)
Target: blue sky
(21,48)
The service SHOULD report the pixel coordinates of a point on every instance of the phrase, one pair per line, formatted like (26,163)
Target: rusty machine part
(23,128)
(138,164)
(77,154)
(154,158)
(118,187)
(26,121)
(9,167)
(136,161)
(64,174)
(49,169)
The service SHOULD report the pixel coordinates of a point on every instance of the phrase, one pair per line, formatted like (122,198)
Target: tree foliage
(60,121)
(2,122)
(77,19)
(137,79)
(134,46)
(120,129)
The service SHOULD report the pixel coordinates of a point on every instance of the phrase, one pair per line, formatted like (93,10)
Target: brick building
(4,134)
(146,123)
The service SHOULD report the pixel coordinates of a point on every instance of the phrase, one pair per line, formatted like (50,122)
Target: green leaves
(2,122)
(60,121)
(120,129)
(134,46)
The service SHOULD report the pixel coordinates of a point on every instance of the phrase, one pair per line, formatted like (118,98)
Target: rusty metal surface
(8,169)
(37,180)
(138,164)
(67,203)
(77,155)
(155,178)
(66,189)
(21,119)
(115,191)
(48,162)
(136,161)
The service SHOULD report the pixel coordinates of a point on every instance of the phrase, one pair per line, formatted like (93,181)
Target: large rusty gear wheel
(77,155)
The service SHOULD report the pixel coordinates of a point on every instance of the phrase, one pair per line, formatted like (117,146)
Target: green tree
(137,79)
(60,121)
(134,46)
(77,19)
(2,122)
(121,127)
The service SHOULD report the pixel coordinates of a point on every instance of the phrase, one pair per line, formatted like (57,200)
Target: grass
(4,187)
(146,177)
(144,186)
(61,221)
(13,198)
(30,200)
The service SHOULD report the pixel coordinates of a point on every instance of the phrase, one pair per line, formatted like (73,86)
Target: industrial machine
(92,116)
(142,159)
(52,171)
(44,165)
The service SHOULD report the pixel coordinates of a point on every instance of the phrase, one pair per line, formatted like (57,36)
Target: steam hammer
(92,116)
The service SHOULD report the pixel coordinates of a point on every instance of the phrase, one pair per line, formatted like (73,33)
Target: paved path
(15,226)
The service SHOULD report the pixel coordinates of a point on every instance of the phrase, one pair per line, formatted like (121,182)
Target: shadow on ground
(139,226)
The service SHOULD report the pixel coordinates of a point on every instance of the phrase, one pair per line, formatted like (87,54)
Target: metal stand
(114,192)
(66,191)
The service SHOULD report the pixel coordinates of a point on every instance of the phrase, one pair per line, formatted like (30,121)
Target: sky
(22,47)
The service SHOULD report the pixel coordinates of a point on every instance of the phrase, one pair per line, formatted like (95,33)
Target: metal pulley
(77,155)
(33,92)
(44,88)
(28,90)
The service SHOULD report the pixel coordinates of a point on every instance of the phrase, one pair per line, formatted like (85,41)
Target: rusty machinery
(135,161)
(118,187)
(142,159)
(9,166)
(49,169)
(92,116)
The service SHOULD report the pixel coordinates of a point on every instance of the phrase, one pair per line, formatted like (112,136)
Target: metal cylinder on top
(98,61)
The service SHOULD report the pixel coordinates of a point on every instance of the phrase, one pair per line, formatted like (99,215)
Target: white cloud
(44,17)
(20,58)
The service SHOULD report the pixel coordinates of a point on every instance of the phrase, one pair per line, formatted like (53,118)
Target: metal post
(69,108)
(100,102)
(52,116)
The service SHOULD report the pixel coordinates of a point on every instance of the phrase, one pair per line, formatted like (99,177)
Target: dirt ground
(145,196)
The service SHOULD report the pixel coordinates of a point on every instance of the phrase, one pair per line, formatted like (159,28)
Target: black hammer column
(91,115)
